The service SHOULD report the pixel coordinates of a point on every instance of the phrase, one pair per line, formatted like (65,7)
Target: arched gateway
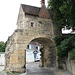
(34,24)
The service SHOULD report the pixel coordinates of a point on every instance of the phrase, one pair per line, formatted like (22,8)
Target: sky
(9,10)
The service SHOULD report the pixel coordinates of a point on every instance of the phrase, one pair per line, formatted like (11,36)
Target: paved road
(1,70)
(34,69)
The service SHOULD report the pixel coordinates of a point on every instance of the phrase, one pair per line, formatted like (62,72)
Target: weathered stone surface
(41,31)
(68,64)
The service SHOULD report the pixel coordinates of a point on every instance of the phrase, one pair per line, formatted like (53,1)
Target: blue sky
(9,10)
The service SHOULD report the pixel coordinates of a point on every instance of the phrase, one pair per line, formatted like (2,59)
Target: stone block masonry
(29,28)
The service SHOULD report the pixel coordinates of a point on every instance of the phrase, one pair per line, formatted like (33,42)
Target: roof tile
(32,10)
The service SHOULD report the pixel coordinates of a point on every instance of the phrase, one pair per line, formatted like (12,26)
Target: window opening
(32,24)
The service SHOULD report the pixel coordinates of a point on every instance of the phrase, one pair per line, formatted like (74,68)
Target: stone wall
(13,55)
(68,64)
(48,52)
(23,35)
(41,26)
(71,66)
(16,48)
(20,19)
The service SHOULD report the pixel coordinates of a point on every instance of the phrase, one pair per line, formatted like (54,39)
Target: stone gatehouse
(33,25)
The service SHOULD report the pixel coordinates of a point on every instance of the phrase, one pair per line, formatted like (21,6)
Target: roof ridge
(30,6)
(35,11)
(32,10)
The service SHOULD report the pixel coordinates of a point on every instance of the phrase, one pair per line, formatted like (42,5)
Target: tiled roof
(30,9)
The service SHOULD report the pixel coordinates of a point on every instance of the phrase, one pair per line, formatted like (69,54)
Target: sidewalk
(62,72)
(1,71)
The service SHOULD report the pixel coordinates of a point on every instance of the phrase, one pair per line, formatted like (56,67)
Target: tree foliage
(72,54)
(65,44)
(64,15)
(64,12)
(2,46)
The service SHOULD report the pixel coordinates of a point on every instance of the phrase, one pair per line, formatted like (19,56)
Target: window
(32,24)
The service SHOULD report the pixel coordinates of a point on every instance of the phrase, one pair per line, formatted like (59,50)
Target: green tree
(72,54)
(64,12)
(2,46)
(65,44)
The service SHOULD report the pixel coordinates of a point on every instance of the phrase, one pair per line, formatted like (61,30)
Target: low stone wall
(70,65)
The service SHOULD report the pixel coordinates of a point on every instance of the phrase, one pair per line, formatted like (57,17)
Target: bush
(64,44)
(2,46)
(62,49)
(72,54)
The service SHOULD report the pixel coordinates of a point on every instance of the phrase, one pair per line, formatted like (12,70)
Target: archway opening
(41,50)
(33,52)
